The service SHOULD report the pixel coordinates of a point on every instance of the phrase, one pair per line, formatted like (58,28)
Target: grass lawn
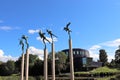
(104,69)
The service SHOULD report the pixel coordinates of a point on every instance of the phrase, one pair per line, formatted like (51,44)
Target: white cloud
(113,43)
(94,47)
(5,58)
(7,28)
(93,51)
(35,51)
(31,31)
(108,46)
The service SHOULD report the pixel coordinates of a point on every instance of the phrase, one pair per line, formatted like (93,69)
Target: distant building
(82,59)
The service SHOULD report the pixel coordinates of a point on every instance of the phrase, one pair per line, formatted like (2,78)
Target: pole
(22,67)
(53,62)
(27,64)
(71,60)
(45,65)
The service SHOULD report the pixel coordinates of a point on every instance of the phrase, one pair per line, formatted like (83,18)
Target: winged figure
(25,38)
(50,33)
(22,44)
(66,28)
(42,35)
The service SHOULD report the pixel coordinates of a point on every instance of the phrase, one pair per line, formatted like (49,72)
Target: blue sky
(95,25)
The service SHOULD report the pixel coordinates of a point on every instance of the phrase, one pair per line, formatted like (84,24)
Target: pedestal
(27,65)
(45,65)
(71,60)
(22,67)
(53,62)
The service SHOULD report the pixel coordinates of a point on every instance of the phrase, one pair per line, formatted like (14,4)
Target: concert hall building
(82,59)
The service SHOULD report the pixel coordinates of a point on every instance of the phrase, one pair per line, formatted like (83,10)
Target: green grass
(104,69)
(14,78)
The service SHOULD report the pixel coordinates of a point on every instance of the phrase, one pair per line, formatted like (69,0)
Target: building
(82,59)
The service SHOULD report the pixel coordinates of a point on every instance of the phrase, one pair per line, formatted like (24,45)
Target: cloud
(94,47)
(113,43)
(31,31)
(5,58)
(93,51)
(108,46)
(7,28)
(32,50)
(35,51)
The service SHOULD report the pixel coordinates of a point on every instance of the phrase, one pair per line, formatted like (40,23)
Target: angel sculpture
(42,35)
(25,38)
(66,28)
(21,43)
(51,34)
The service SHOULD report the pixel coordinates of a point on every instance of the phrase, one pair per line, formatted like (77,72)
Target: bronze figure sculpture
(51,34)
(22,44)
(66,28)
(25,38)
(42,35)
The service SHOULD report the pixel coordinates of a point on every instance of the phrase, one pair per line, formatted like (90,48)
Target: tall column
(27,64)
(45,65)
(22,67)
(71,60)
(53,62)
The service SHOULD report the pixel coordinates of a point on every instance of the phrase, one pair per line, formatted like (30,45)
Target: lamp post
(53,54)
(42,35)
(70,52)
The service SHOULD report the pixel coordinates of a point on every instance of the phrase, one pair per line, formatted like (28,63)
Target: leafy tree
(3,69)
(11,66)
(117,57)
(37,69)
(103,56)
(112,63)
(60,61)
(7,68)
(32,60)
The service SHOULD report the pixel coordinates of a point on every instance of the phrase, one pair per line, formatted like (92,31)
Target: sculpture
(70,52)
(66,28)
(42,35)
(22,44)
(51,34)
(25,38)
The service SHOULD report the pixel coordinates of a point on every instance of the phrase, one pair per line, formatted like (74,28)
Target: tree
(112,63)
(60,61)
(11,66)
(37,69)
(32,60)
(103,56)
(7,68)
(117,57)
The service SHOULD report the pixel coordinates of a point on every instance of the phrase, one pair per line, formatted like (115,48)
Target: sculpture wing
(68,25)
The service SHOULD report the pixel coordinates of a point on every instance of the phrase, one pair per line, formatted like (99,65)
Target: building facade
(82,59)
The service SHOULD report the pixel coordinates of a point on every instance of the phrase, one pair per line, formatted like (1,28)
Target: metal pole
(22,67)
(27,64)
(53,62)
(45,65)
(71,60)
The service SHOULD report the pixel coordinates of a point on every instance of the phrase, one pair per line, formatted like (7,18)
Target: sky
(95,25)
